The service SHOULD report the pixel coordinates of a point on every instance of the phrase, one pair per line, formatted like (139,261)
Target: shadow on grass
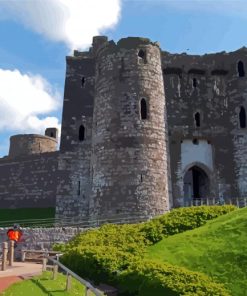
(39,284)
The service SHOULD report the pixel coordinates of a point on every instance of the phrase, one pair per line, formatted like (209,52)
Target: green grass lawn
(218,249)
(19,215)
(43,285)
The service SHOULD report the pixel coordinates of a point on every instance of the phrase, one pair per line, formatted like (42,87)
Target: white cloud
(24,101)
(74,22)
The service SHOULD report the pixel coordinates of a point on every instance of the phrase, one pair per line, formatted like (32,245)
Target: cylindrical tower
(29,144)
(129,163)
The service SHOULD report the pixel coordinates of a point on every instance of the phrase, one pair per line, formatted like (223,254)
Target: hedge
(127,237)
(150,278)
(133,275)
(182,219)
(115,254)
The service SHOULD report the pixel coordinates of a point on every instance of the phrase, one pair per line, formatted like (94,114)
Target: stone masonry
(42,238)
(143,130)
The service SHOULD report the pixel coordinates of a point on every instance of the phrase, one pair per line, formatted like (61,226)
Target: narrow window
(241,72)
(242,118)
(141,54)
(122,63)
(143,109)
(79,188)
(92,170)
(194,83)
(99,69)
(83,81)
(81,133)
(141,178)
(198,119)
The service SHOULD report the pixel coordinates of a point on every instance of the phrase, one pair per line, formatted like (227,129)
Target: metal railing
(8,256)
(74,222)
(240,202)
(69,273)
(37,252)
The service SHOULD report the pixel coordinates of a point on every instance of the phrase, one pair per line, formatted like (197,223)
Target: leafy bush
(135,276)
(114,254)
(101,263)
(182,219)
(150,278)
(127,237)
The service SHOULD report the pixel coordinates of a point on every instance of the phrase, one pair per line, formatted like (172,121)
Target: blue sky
(36,35)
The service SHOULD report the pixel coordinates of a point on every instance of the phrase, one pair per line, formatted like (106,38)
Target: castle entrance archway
(196,184)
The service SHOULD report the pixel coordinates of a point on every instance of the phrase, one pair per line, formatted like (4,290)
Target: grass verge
(21,216)
(43,285)
(217,249)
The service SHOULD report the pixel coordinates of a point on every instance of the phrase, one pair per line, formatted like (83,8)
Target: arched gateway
(196,184)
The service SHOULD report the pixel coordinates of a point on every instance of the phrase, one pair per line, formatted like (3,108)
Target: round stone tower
(129,138)
(29,144)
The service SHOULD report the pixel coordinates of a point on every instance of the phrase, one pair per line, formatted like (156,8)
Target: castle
(143,130)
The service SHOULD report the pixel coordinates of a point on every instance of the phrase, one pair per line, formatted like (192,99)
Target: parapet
(52,132)
(99,40)
(132,42)
(29,144)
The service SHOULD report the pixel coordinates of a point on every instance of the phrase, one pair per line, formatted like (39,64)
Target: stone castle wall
(42,238)
(73,192)
(112,162)
(218,95)
(74,189)
(29,181)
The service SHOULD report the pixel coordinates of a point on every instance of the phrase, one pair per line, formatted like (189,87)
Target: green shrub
(100,263)
(135,276)
(153,230)
(145,277)
(182,219)
(114,254)
(127,237)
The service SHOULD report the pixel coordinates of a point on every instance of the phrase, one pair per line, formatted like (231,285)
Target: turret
(28,144)
(129,164)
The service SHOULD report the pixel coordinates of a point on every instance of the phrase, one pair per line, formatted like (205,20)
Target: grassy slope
(25,214)
(43,286)
(218,249)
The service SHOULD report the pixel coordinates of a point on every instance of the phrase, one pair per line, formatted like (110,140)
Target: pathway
(18,272)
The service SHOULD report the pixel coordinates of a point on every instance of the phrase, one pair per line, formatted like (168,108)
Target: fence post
(68,282)
(4,258)
(237,200)
(245,201)
(55,269)
(87,291)
(207,202)
(23,255)
(44,264)
(11,252)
